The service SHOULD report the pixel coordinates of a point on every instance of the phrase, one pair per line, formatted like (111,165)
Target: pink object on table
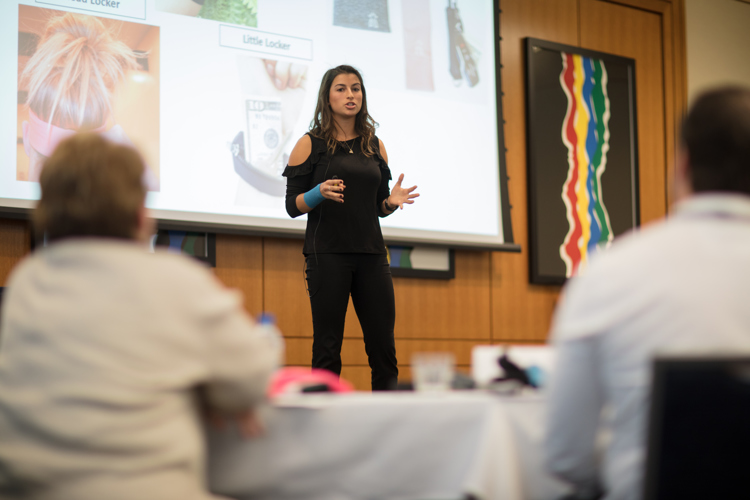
(293,379)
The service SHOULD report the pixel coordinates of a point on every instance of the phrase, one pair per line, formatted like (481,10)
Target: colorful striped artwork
(585,133)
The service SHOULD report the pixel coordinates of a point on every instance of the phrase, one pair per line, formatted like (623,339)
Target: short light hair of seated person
(91,187)
(716,135)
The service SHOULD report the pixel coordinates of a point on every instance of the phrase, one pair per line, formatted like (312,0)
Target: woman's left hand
(400,195)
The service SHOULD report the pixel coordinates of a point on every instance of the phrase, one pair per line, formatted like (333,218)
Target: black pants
(331,278)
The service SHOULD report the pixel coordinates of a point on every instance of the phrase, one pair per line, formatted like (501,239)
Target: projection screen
(221,90)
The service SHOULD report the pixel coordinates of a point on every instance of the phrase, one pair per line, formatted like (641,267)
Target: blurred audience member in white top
(110,355)
(679,285)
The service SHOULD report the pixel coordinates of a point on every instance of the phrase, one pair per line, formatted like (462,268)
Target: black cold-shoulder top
(352,226)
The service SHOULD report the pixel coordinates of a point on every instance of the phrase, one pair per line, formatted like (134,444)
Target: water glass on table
(432,371)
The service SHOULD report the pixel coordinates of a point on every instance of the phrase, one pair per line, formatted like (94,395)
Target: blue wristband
(313,197)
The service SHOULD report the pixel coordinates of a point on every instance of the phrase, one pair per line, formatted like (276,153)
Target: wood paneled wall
(490,300)
(649,31)
(15,241)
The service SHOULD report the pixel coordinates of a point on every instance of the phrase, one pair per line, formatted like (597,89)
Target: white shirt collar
(732,205)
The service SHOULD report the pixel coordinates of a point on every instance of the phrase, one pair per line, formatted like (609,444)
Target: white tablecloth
(388,446)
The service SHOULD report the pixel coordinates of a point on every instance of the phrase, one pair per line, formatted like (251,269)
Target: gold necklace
(351,151)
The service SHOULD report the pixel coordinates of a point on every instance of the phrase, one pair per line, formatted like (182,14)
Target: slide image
(244,12)
(273,92)
(78,72)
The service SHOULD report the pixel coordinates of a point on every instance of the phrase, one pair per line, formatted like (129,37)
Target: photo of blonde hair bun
(73,73)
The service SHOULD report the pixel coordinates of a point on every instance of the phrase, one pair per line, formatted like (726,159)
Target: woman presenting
(338,173)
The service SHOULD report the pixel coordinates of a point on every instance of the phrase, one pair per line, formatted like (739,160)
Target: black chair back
(699,429)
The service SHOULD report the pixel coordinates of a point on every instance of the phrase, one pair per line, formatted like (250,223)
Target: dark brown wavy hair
(322,124)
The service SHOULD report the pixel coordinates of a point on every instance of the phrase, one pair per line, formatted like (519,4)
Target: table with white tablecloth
(398,445)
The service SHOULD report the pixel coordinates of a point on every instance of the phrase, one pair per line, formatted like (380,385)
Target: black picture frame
(404,264)
(582,155)
(198,245)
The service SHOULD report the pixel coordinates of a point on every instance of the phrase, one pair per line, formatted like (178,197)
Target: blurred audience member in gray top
(677,286)
(110,354)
